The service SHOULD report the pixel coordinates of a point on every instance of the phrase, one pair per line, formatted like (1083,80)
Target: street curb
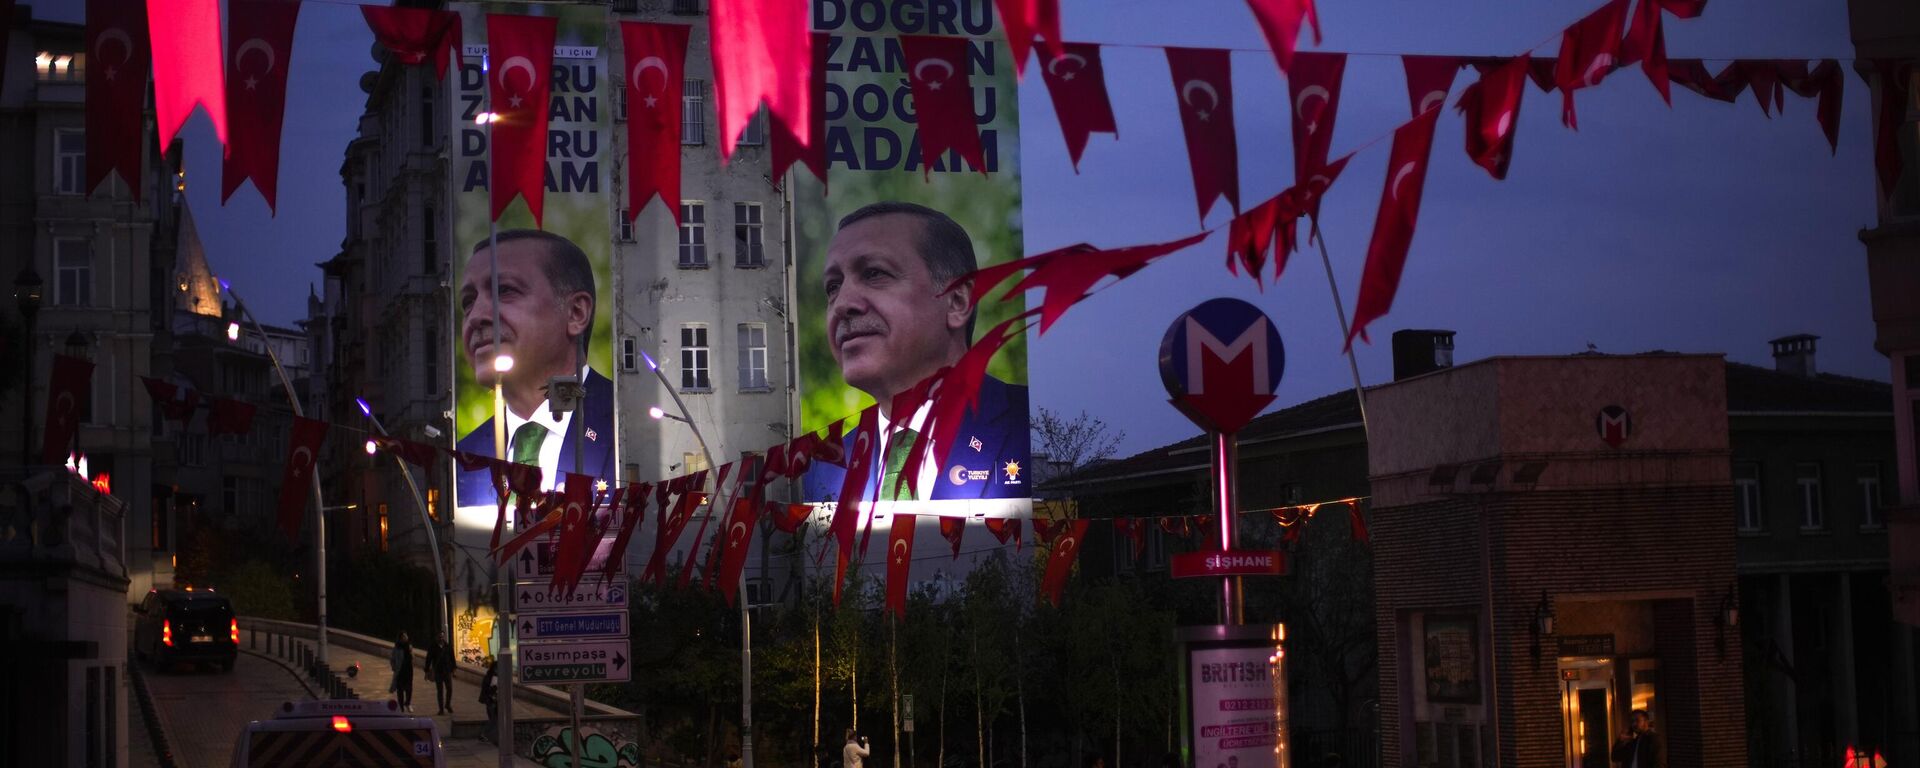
(290,670)
(163,752)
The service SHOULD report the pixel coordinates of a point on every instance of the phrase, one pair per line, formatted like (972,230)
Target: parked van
(336,732)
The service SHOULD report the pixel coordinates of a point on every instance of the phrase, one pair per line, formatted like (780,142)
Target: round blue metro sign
(1221,362)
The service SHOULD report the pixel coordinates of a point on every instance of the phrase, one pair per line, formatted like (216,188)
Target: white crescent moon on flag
(738,531)
(1597,69)
(860,444)
(1505,122)
(254,44)
(1080,62)
(1187,89)
(117,35)
(517,62)
(301,459)
(1300,105)
(1066,544)
(900,549)
(920,74)
(1319,183)
(650,62)
(1406,170)
(1431,100)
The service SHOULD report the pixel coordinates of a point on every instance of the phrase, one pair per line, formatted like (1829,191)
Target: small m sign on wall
(1614,425)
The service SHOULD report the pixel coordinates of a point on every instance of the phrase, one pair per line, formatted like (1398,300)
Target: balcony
(61,520)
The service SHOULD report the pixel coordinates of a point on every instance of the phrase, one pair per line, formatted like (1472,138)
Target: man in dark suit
(546,309)
(890,326)
(1638,746)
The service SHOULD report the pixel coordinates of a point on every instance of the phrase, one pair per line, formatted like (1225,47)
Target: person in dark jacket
(1638,746)
(402,663)
(490,697)
(440,671)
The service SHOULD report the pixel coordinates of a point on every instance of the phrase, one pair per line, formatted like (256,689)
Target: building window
(693,115)
(1813,514)
(619,102)
(193,449)
(693,462)
(756,131)
(230,495)
(631,473)
(430,243)
(383,526)
(623,226)
(686,7)
(748,250)
(73,265)
(1867,479)
(693,358)
(69,161)
(1746,496)
(433,503)
(753,356)
(58,67)
(693,236)
(629,355)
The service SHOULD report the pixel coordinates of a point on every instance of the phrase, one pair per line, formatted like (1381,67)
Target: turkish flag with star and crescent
(737,542)
(295,479)
(715,501)
(853,489)
(69,384)
(1492,109)
(1588,52)
(259,49)
(1004,528)
(1066,547)
(1203,82)
(655,74)
(578,533)
(1280,22)
(1313,85)
(416,36)
(519,82)
(1393,225)
(943,100)
(630,514)
(673,520)
(1077,83)
(899,560)
(1428,80)
(118,60)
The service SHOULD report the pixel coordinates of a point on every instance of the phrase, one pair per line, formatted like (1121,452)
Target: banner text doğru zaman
(573,154)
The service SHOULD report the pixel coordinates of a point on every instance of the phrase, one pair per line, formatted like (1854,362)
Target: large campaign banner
(871,322)
(556,302)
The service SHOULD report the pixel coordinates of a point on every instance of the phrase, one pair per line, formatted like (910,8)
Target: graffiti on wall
(554,749)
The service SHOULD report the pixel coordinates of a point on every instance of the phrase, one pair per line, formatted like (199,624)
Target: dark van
(183,626)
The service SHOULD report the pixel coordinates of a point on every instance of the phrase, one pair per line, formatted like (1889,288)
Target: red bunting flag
(260,48)
(1889,116)
(1134,531)
(673,521)
(1280,22)
(1203,81)
(1828,84)
(1393,225)
(228,417)
(787,147)
(1428,80)
(630,514)
(656,56)
(899,560)
(519,82)
(69,384)
(1179,526)
(801,453)
(176,403)
(761,51)
(1304,200)
(1588,52)
(1004,528)
(1067,274)
(417,36)
(1077,83)
(1313,86)
(953,528)
(1760,75)
(187,69)
(1294,532)
(1027,23)
(302,449)
(943,100)
(1692,74)
(578,533)
(739,539)
(788,517)
(549,518)
(1646,40)
(417,454)
(853,489)
(716,502)
(520,482)
(1044,530)
(1356,522)
(1492,109)
(118,59)
(1060,561)
(1250,238)
(958,392)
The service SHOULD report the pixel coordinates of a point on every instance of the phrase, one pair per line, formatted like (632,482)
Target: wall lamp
(1727,617)
(1541,626)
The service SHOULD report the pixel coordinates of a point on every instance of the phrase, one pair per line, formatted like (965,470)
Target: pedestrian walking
(490,696)
(440,671)
(402,664)
(856,751)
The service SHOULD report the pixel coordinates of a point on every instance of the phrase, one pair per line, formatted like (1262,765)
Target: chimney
(1421,351)
(1794,354)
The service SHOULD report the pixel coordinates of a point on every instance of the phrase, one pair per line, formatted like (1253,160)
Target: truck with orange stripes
(337,732)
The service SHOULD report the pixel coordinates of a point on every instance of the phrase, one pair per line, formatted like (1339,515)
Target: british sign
(578,662)
(1221,362)
(536,561)
(537,596)
(566,626)
(1194,565)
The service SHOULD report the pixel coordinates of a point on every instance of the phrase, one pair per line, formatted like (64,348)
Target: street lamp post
(746,617)
(420,504)
(26,296)
(320,525)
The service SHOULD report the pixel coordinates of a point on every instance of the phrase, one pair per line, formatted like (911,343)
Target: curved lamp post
(420,504)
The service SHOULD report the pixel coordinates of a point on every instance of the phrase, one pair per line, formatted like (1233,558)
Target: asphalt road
(203,711)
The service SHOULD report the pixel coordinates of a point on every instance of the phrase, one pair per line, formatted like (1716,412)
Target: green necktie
(526,447)
(891,489)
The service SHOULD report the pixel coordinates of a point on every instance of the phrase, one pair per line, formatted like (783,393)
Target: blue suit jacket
(989,458)
(596,457)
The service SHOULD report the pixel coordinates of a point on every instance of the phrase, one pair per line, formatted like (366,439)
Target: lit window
(748,250)
(694,352)
(753,356)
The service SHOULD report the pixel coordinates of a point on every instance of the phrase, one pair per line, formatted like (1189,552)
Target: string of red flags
(416,36)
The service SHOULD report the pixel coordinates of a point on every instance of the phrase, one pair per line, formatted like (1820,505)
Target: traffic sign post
(536,561)
(567,626)
(574,662)
(537,596)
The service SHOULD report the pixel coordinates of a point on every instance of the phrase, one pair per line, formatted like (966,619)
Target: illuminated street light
(502,363)
(233,331)
(364,408)
(651,365)
(372,447)
(659,414)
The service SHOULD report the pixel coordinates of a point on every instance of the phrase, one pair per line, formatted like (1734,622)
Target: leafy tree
(1075,441)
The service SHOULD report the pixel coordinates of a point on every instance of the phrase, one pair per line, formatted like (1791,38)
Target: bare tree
(1074,442)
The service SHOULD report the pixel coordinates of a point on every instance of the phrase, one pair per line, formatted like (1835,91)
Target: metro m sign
(1222,362)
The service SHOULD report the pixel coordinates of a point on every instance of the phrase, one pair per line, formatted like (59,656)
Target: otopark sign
(1221,363)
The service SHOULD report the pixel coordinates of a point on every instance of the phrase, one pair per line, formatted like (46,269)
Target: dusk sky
(1701,228)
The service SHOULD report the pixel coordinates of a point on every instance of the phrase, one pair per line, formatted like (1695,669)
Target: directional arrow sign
(537,560)
(577,662)
(537,596)
(558,626)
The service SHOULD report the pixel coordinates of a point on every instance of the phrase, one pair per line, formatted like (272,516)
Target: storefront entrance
(1587,708)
